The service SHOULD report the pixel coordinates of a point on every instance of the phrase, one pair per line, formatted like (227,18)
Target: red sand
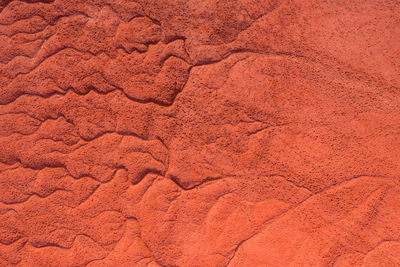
(200,133)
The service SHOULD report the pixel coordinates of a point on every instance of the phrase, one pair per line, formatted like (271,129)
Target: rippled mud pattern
(200,133)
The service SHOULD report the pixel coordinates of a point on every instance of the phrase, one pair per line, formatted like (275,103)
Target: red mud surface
(200,133)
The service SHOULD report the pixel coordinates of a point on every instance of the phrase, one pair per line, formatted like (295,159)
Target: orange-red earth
(200,133)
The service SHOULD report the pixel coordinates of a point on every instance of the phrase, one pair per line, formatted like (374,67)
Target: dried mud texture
(199,133)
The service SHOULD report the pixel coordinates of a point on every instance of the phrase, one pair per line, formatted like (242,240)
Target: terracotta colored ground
(200,133)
